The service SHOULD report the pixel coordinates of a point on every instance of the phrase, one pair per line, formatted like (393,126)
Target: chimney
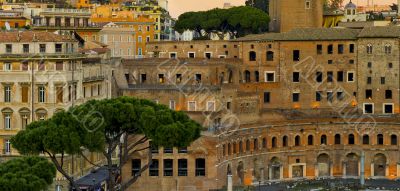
(19,36)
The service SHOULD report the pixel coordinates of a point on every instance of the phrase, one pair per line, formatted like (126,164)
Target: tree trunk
(65,174)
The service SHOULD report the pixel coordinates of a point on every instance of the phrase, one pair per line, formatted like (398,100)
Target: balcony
(62,10)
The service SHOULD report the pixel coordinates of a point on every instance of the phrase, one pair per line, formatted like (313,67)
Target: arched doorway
(323,165)
(352,165)
(275,169)
(380,165)
(240,172)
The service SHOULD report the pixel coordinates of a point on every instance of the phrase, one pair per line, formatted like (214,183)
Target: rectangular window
(153,169)
(369,64)
(7,121)
(351,61)
(319,48)
(388,94)
(368,108)
(191,106)
(318,77)
(368,94)
(296,97)
(41,66)
(42,94)
(172,104)
(7,147)
(168,167)
(350,76)
(369,80)
(136,166)
(388,108)
(59,66)
(330,49)
(200,167)
(197,77)
(340,96)
(9,48)
(270,76)
(24,91)
(330,61)
(161,78)
(42,48)
(182,167)
(25,48)
(296,76)
(210,106)
(59,94)
(383,80)
(267,97)
(191,54)
(329,96)
(340,76)
(172,55)
(182,150)
(7,93)
(178,78)
(318,95)
(168,150)
(142,78)
(208,55)
(340,49)
(330,76)
(7,66)
(24,66)
(308,4)
(351,48)
(296,55)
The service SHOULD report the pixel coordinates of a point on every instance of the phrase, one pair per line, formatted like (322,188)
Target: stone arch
(284,141)
(323,165)
(324,140)
(380,162)
(240,172)
(352,160)
(275,168)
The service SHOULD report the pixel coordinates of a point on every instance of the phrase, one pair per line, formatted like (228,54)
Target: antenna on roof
(7,26)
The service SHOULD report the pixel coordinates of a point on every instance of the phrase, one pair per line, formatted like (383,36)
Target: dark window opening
(168,167)
(318,95)
(388,94)
(284,141)
(247,76)
(319,77)
(257,76)
(153,169)
(267,98)
(365,140)
(393,139)
(379,138)
(296,97)
(340,76)
(273,142)
(296,76)
(319,48)
(142,78)
(182,167)
(296,55)
(337,139)
(324,140)
(182,150)
(383,80)
(270,56)
(168,150)
(351,48)
(330,49)
(368,94)
(252,56)
(136,166)
(369,80)
(297,141)
(200,167)
(351,139)
(340,49)
(330,76)
(191,55)
(208,55)
(368,108)
(310,140)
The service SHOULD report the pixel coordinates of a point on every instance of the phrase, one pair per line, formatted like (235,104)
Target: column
(262,174)
(230,185)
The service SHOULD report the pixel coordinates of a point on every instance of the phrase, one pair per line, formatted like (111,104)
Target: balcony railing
(61,10)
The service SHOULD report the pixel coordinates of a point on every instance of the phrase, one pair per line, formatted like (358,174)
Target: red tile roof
(33,36)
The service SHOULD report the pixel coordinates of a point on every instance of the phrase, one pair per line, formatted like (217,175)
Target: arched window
(248,145)
(229,149)
(285,141)
(323,140)
(264,143)
(257,76)
(310,140)
(369,49)
(379,139)
(234,148)
(297,141)
(223,150)
(388,49)
(337,139)
(365,140)
(252,56)
(270,56)
(393,139)
(351,139)
(255,143)
(247,76)
(273,142)
(240,147)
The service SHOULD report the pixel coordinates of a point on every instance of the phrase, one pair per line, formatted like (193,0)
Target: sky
(177,7)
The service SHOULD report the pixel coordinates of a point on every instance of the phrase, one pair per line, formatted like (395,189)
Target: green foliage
(63,133)
(237,21)
(26,174)
(138,117)
(259,4)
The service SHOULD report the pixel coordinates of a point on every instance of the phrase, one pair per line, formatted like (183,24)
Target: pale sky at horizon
(177,7)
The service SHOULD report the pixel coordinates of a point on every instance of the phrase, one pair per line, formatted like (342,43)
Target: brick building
(294,105)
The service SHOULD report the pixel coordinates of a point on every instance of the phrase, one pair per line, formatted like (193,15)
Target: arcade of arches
(309,151)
